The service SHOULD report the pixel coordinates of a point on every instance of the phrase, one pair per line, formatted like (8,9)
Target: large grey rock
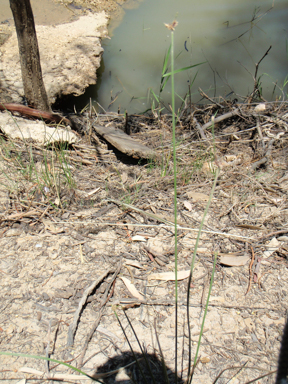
(70,55)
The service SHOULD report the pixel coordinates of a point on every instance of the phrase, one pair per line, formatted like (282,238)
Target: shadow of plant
(124,369)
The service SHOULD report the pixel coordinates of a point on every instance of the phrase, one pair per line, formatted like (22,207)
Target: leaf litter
(53,256)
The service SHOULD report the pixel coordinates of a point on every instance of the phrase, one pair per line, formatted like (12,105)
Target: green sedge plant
(157,104)
(191,367)
(50,176)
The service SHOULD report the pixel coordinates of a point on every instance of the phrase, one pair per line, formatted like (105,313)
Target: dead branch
(104,300)
(220,118)
(88,291)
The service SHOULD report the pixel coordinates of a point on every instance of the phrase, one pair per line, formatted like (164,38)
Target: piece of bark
(124,143)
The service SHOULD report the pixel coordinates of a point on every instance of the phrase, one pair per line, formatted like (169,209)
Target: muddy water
(230,36)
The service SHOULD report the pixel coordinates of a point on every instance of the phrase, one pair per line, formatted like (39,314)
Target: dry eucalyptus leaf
(134,263)
(131,288)
(197,196)
(169,276)
(30,370)
(248,226)
(138,238)
(234,261)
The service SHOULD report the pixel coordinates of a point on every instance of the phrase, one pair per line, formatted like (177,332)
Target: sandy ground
(94,240)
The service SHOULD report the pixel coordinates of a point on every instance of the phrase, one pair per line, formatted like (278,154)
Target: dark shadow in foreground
(282,373)
(157,370)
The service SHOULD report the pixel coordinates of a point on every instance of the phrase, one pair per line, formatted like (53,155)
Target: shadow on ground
(161,373)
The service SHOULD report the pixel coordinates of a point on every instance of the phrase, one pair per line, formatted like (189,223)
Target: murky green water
(231,35)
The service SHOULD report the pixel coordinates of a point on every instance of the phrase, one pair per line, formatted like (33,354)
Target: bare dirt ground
(87,229)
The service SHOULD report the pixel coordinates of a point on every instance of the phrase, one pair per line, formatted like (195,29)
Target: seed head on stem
(172,26)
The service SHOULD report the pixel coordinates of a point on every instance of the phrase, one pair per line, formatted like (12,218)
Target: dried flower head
(171,26)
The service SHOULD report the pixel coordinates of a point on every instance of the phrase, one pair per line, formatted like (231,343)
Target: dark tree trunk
(33,85)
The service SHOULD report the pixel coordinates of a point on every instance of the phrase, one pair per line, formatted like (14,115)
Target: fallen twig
(89,290)
(31,112)
(250,270)
(104,300)
(220,118)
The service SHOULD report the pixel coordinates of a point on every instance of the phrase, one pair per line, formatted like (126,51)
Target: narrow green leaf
(164,84)
(155,96)
(183,69)
(47,359)
(166,60)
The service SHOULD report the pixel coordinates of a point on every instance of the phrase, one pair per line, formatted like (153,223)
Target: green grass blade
(155,96)
(163,83)
(182,69)
(166,60)
(175,197)
(48,359)
(204,316)
(193,262)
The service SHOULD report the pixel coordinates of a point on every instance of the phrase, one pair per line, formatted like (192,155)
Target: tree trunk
(33,85)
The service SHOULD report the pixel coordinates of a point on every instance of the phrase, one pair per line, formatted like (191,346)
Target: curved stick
(31,112)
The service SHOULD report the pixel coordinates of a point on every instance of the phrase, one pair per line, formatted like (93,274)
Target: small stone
(45,296)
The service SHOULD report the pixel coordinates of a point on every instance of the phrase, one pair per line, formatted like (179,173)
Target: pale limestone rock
(70,55)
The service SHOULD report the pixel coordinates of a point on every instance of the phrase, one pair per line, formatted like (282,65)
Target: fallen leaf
(30,370)
(169,276)
(131,288)
(134,263)
(234,261)
(138,238)
(197,196)
(248,226)
(187,205)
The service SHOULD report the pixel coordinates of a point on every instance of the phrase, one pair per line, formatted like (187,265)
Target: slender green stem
(192,266)
(175,198)
(47,359)
(204,316)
